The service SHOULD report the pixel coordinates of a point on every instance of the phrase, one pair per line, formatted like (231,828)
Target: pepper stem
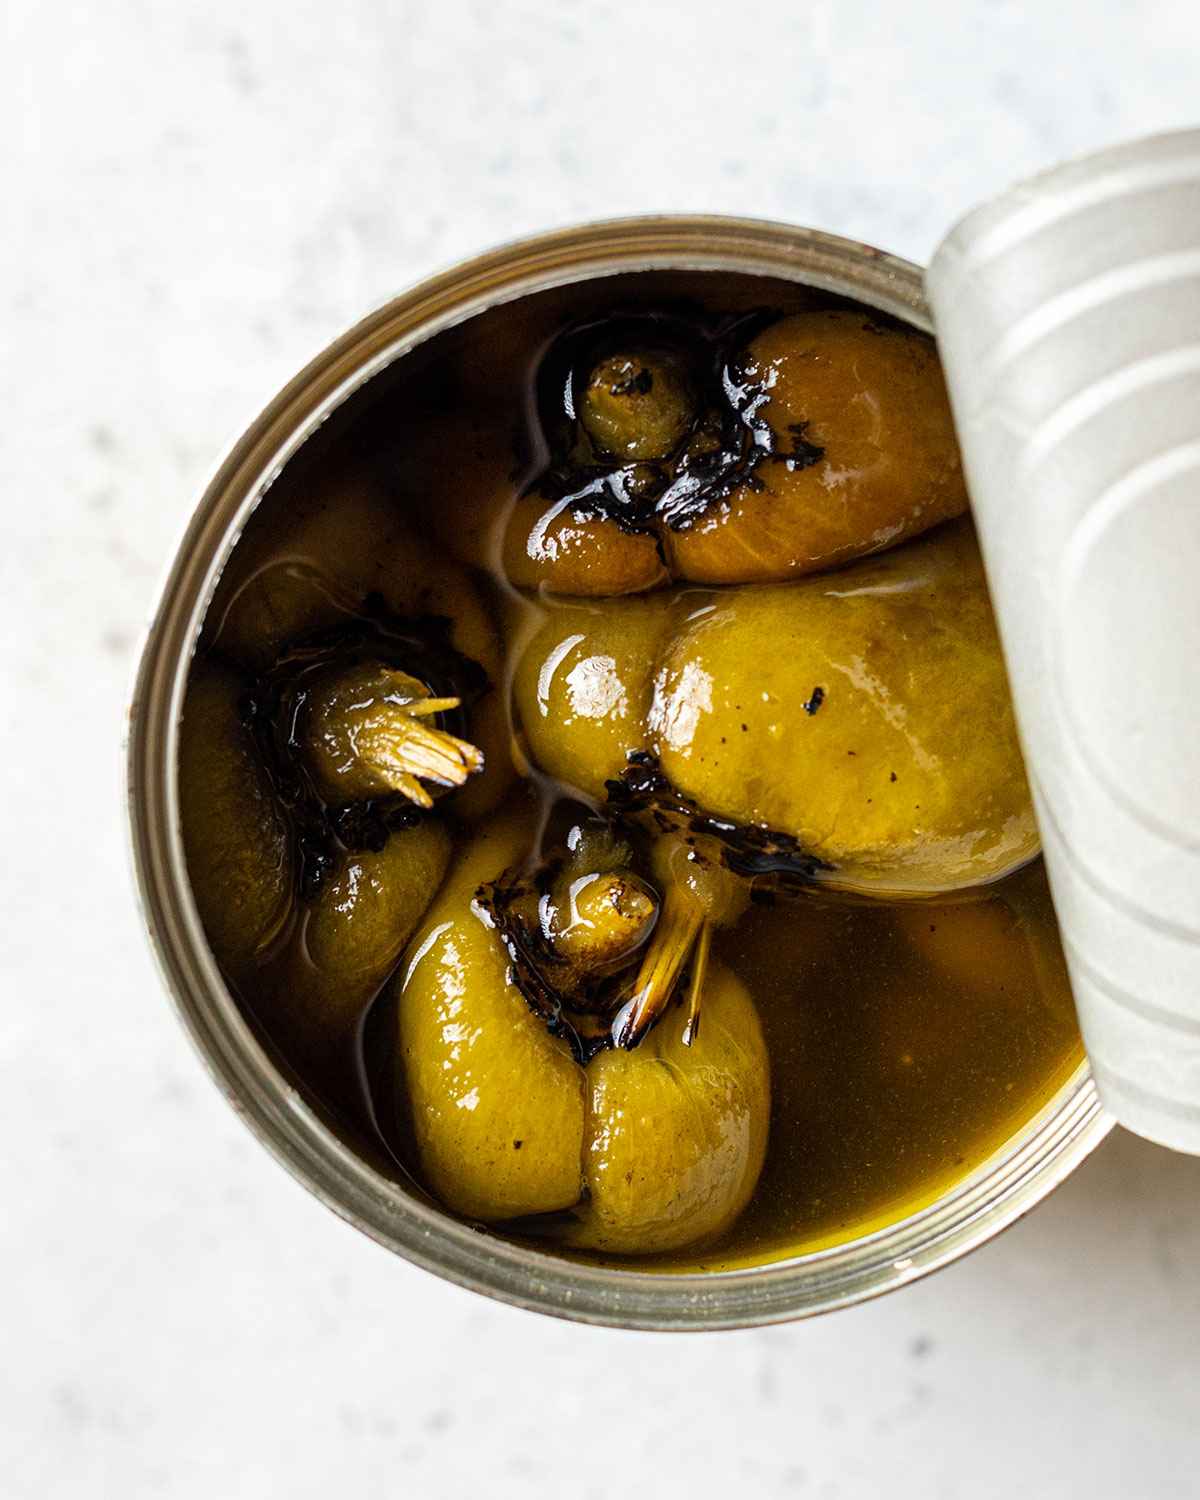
(700,895)
(682,930)
(410,750)
(696,983)
(370,734)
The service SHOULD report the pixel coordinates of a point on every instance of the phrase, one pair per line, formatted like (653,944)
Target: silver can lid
(1068,313)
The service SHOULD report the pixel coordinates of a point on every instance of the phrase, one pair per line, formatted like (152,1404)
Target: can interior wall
(1044,1152)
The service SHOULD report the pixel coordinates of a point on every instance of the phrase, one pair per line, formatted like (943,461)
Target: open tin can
(1048,1147)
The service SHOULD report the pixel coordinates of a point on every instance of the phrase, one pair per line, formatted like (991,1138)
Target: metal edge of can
(1000,1191)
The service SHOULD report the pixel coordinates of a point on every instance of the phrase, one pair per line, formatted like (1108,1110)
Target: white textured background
(195,197)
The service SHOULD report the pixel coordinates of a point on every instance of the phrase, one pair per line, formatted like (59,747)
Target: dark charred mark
(892,776)
(803,454)
(579,1011)
(643,795)
(640,384)
(810,705)
(276,711)
(727,441)
(531,958)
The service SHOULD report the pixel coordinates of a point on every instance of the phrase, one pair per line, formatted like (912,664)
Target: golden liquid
(907,1044)
(896,1072)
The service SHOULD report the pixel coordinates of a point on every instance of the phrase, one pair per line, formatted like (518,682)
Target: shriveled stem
(681,927)
(370,732)
(696,983)
(700,895)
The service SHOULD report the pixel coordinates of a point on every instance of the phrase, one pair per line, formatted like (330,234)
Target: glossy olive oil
(907,1041)
(898,1066)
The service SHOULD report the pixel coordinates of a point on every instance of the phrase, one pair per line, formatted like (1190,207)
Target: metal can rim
(1000,1191)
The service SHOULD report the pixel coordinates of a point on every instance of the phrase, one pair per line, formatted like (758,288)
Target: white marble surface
(196,196)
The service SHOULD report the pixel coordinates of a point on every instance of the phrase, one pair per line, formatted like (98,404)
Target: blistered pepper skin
(351,935)
(584,686)
(548,546)
(238,852)
(865,714)
(865,454)
(677,1133)
(652,1148)
(496,1104)
(853,451)
(484,520)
